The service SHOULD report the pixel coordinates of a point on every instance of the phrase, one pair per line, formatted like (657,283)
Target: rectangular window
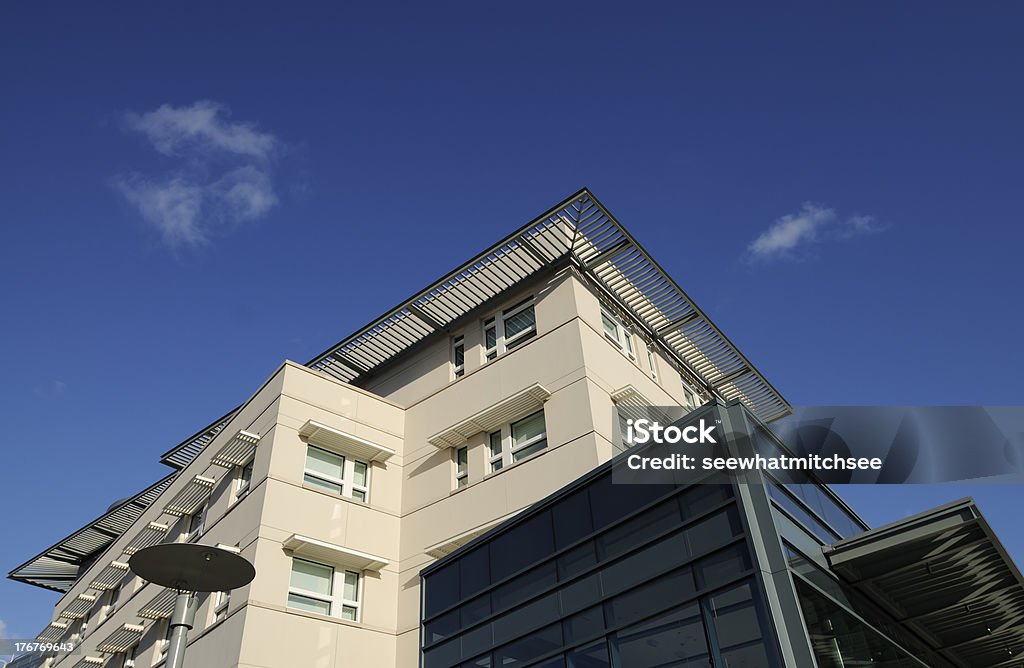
(516,441)
(128,656)
(650,362)
(243,481)
(165,642)
(194,525)
(461,467)
(331,472)
(318,588)
(506,330)
(495,449)
(690,396)
(616,331)
(221,599)
(458,357)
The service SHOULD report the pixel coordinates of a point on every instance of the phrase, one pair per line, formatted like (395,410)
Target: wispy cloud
(222,179)
(813,224)
(3,630)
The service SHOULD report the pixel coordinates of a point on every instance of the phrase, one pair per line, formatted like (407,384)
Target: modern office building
(435,490)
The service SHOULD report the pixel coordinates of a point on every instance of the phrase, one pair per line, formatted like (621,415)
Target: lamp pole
(189,568)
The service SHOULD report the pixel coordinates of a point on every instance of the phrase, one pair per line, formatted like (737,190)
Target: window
(616,331)
(330,472)
(111,603)
(691,397)
(318,588)
(461,467)
(128,656)
(650,362)
(494,448)
(165,642)
(243,481)
(506,330)
(516,441)
(194,524)
(458,357)
(221,599)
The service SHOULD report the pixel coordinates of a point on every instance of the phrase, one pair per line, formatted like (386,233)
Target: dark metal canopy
(944,574)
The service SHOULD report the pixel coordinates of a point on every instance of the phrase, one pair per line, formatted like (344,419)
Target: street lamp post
(189,568)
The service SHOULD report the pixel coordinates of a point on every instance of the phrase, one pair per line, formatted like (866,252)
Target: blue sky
(192,193)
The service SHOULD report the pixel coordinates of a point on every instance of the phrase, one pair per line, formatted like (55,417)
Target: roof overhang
(57,567)
(945,574)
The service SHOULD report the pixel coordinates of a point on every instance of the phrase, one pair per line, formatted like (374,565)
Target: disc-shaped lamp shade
(192,567)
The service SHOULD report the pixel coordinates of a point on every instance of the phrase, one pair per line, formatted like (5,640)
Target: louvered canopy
(57,567)
(237,451)
(121,638)
(90,662)
(153,533)
(518,405)
(160,606)
(320,434)
(581,231)
(191,497)
(79,606)
(944,574)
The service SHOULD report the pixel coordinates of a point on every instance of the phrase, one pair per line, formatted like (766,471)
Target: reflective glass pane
(572,519)
(327,463)
(311,577)
(527,428)
(351,592)
(610,327)
(583,625)
(520,322)
(442,589)
(325,485)
(359,470)
(530,449)
(526,649)
(524,544)
(308,604)
(494,443)
(594,655)
(524,619)
(349,612)
(461,459)
(675,638)
(490,337)
(722,567)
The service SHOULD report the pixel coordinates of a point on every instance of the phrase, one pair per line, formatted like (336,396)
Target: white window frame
(458,370)
(495,451)
(621,336)
(336,601)
(165,640)
(347,483)
(497,321)
(461,466)
(509,449)
(128,656)
(189,534)
(242,485)
(691,396)
(221,600)
(652,362)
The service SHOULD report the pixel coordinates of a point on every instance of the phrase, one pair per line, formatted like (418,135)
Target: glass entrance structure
(751,572)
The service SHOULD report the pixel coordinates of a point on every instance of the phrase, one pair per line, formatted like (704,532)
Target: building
(433,490)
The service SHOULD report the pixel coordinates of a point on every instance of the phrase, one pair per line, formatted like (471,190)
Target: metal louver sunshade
(237,451)
(53,631)
(160,606)
(110,576)
(191,497)
(122,638)
(79,607)
(151,535)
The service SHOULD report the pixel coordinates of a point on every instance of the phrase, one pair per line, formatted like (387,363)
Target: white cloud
(187,206)
(813,224)
(203,126)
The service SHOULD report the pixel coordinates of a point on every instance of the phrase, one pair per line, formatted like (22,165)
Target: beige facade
(341,479)
(411,419)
